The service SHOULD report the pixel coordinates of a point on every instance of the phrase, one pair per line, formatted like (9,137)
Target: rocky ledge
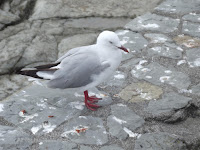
(150,103)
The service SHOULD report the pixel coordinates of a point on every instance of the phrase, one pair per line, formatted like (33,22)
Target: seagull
(83,67)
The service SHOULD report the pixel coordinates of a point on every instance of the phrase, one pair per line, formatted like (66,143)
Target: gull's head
(109,38)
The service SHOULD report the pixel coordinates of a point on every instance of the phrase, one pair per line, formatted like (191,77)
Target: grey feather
(77,71)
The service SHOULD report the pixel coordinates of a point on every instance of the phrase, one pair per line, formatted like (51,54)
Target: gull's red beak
(124,49)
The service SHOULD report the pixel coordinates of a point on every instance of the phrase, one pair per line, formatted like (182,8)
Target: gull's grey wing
(72,52)
(77,71)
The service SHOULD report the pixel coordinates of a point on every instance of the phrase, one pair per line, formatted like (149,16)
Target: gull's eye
(111,42)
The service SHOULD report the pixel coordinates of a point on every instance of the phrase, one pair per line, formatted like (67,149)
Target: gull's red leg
(90,105)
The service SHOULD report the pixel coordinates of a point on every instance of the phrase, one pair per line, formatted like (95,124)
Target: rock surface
(153,22)
(152,100)
(157,141)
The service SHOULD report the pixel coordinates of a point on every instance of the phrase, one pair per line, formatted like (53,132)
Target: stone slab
(167,50)
(134,42)
(158,141)
(193,57)
(167,105)
(165,75)
(93,130)
(153,22)
(179,7)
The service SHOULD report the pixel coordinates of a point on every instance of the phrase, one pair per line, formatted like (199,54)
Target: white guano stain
(131,134)
(164,78)
(77,105)
(1,107)
(119,76)
(181,62)
(34,130)
(119,120)
(151,25)
(27,118)
(122,32)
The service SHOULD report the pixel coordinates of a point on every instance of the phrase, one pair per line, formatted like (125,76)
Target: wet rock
(166,50)
(93,133)
(61,145)
(153,22)
(191,29)
(159,140)
(193,17)
(151,74)
(167,108)
(76,41)
(134,42)
(111,147)
(11,84)
(75,9)
(140,91)
(178,7)
(14,138)
(193,57)
(123,121)
(157,38)
(187,41)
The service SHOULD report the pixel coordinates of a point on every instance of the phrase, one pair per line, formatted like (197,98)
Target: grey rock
(14,138)
(106,99)
(121,120)
(115,128)
(94,133)
(193,17)
(153,22)
(76,9)
(168,105)
(178,7)
(118,80)
(168,76)
(193,57)
(62,105)
(157,38)
(11,84)
(59,145)
(166,50)
(111,147)
(158,141)
(76,41)
(97,23)
(12,49)
(1,26)
(43,48)
(195,89)
(7,17)
(13,30)
(134,42)
(82,147)
(130,63)
(191,29)
(52,27)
